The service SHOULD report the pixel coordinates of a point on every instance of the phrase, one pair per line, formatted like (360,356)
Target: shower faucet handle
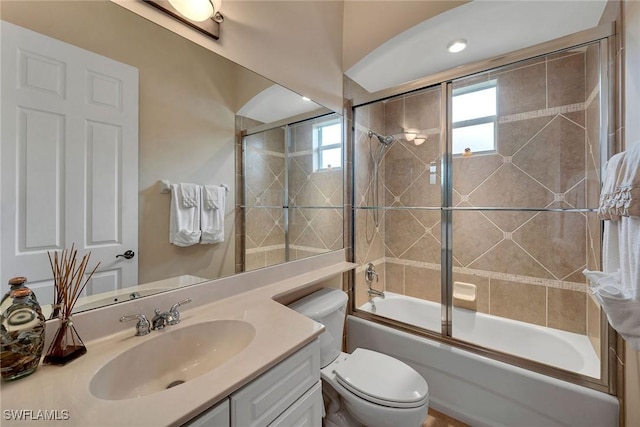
(370,272)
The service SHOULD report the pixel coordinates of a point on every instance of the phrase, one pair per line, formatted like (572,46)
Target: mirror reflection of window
(474,118)
(327,145)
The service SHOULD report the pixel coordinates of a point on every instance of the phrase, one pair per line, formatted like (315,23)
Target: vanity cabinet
(288,394)
(218,416)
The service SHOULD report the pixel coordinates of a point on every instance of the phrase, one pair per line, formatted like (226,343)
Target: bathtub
(482,391)
(554,347)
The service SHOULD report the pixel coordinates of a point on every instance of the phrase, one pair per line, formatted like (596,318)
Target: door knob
(127,255)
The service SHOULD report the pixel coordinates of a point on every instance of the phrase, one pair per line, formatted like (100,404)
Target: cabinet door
(218,416)
(305,412)
(260,402)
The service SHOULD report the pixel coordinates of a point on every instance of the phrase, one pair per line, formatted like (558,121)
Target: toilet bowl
(366,387)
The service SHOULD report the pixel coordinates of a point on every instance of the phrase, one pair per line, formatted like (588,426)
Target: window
(327,145)
(474,118)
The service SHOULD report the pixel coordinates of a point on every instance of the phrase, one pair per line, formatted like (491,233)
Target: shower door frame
(604,35)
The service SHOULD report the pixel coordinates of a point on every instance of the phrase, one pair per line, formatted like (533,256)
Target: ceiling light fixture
(457,46)
(420,139)
(202,15)
(414,135)
(304,98)
(410,134)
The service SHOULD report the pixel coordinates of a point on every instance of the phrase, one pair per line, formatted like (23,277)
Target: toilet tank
(327,306)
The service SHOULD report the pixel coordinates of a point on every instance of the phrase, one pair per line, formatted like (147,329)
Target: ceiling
(388,43)
(491,27)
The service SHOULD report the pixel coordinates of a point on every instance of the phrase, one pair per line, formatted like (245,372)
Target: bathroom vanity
(239,357)
(288,394)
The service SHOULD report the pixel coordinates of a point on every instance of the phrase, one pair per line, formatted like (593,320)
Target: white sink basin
(171,358)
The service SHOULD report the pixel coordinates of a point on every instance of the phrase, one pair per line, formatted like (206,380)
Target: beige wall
(264,35)
(186,124)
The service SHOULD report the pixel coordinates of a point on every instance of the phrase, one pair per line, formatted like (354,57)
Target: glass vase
(66,345)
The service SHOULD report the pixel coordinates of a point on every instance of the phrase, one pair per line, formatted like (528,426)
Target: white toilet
(365,387)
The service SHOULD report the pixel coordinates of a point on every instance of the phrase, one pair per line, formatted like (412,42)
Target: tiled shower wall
(273,172)
(526,265)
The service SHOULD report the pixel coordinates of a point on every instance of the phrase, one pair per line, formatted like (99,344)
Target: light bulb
(419,140)
(457,46)
(410,134)
(195,10)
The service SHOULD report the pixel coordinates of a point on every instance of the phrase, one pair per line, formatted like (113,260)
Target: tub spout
(374,293)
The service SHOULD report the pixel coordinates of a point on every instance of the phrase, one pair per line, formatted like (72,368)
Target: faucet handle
(370,272)
(143,327)
(159,320)
(175,314)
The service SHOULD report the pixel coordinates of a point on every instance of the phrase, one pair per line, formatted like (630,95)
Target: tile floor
(438,419)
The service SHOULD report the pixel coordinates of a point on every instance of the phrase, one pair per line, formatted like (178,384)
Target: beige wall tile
(423,283)
(469,172)
(565,80)
(567,310)
(473,235)
(394,278)
(556,240)
(426,249)
(422,109)
(518,301)
(522,90)
(507,257)
(402,231)
(514,135)
(555,156)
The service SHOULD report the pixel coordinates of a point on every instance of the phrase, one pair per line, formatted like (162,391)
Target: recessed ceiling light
(304,98)
(457,46)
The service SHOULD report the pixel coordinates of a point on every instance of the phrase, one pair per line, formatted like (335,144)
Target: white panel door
(69,160)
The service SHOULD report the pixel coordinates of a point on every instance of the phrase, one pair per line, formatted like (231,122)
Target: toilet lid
(382,379)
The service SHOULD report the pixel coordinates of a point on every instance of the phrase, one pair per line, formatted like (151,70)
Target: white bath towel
(184,214)
(212,214)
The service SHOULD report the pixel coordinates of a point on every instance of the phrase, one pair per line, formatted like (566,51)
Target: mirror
(187,131)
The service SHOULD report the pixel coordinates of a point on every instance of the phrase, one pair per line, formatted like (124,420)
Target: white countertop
(280,332)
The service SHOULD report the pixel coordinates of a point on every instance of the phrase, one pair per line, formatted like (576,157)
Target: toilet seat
(382,380)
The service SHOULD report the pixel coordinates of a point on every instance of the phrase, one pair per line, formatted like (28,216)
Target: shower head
(384,140)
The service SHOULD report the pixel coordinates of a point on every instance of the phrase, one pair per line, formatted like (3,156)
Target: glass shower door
(525,165)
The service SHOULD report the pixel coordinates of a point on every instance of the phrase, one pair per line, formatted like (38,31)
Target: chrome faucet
(171,317)
(374,293)
(369,274)
(143,327)
(174,313)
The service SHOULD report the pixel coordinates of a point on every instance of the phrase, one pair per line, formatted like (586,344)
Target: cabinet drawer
(218,416)
(264,399)
(305,412)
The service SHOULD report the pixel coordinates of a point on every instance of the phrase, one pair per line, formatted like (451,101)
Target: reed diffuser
(69,281)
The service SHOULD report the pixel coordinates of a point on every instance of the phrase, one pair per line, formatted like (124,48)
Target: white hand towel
(613,173)
(189,194)
(620,194)
(212,214)
(184,214)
